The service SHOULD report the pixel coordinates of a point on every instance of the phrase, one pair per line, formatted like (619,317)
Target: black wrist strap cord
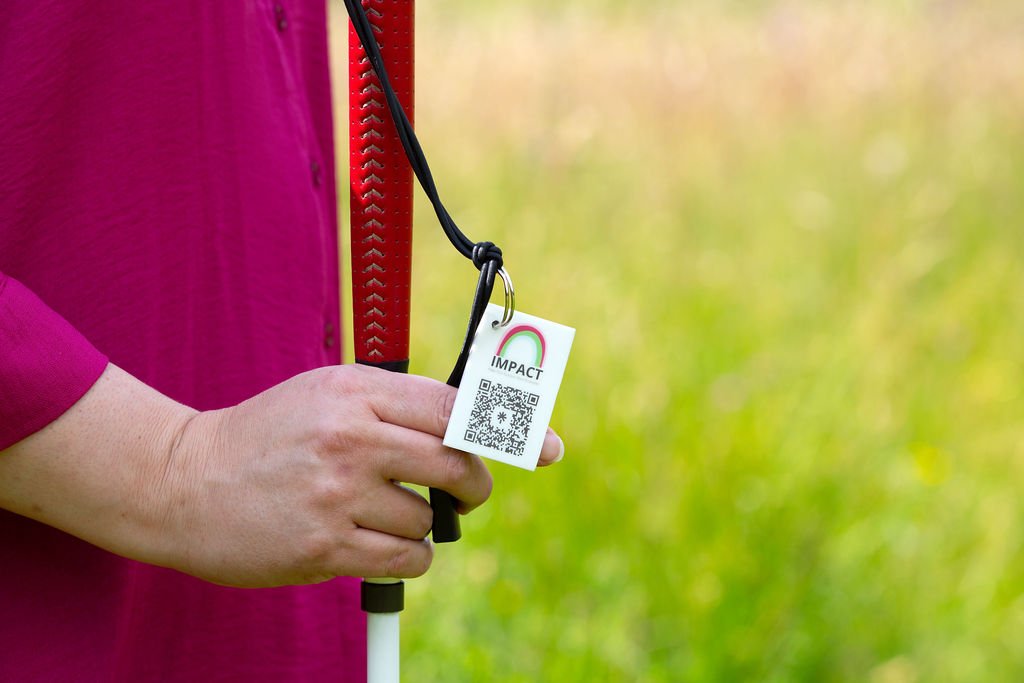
(484,255)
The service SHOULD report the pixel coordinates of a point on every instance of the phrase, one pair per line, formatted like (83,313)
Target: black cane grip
(446,527)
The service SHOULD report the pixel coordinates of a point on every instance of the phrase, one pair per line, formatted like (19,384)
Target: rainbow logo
(524,332)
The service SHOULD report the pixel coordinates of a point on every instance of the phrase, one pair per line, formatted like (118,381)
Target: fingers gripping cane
(384,155)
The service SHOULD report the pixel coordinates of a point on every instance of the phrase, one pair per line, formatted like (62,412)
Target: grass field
(791,238)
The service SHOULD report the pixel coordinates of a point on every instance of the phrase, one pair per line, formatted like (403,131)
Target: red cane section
(381,188)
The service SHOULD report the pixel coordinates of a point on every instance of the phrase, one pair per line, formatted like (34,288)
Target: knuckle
(425,522)
(316,550)
(409,560)
(325,429)
(456,467)
(480,491)
(331,378)
(336,435)
(346,380)
(395,564)
(421,559)
(330,493)
(445,405)
(337,438)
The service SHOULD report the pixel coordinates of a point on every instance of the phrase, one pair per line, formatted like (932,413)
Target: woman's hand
(296,485)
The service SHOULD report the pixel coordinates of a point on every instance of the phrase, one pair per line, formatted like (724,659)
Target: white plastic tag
(508,389)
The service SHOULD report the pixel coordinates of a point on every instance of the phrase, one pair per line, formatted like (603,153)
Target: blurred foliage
(790,237)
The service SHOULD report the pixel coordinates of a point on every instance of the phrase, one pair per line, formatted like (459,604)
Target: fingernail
(561,449)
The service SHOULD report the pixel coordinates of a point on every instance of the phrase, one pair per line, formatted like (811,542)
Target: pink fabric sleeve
(45,364)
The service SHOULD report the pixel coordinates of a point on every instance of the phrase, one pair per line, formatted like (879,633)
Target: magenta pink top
(167,202)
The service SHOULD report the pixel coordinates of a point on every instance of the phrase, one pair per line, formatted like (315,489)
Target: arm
(92,471)
(296,485)
(293,486)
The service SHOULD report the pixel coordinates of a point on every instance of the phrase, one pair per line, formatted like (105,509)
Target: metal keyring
(510,299)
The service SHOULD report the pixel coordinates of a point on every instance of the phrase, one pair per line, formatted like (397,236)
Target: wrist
(97,472)
(182,441)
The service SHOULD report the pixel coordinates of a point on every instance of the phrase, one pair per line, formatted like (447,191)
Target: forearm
(97,471)
(294,485)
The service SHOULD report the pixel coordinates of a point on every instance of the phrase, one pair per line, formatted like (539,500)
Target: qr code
(501,417)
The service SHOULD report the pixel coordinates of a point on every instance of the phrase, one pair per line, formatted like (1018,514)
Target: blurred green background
(790,236)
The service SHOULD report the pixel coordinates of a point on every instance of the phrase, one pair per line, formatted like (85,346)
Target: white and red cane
(381,247)
(380,185)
